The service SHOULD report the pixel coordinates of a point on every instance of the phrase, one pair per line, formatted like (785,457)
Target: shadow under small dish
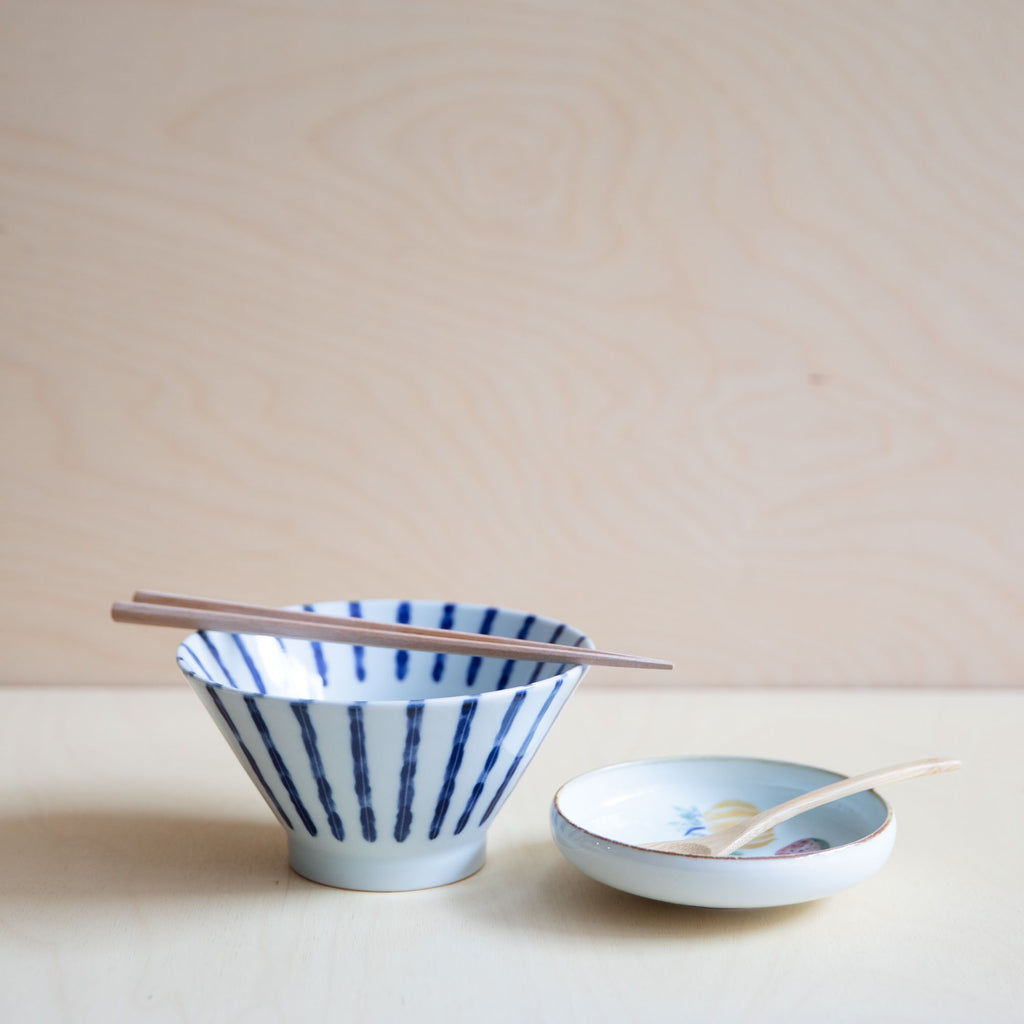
(384,767)
(602,819)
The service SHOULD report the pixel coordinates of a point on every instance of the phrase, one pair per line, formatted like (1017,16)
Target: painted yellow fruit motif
(727,813)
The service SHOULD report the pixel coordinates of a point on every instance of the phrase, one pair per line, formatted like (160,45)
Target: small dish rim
(674,759)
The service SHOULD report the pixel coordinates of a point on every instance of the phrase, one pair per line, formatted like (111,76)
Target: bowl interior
(313,670)
(678,798)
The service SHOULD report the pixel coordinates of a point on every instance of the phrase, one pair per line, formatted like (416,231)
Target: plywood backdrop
(696,324)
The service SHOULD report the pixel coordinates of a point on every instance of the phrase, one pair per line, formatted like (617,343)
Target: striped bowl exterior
(384,767)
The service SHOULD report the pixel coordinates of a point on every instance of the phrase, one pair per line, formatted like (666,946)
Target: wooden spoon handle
(721,844)
(844,787)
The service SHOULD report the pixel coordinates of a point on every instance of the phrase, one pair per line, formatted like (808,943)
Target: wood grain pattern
(696,325)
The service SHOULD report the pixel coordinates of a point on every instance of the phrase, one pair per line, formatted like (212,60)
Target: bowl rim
(579,670)
(888,821)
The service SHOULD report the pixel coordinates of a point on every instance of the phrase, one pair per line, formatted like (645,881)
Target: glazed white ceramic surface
(601,819)
(384,767)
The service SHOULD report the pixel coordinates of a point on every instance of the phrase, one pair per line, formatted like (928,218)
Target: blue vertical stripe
(485,627)
(212,648)
(278,762)
(578,642)
(318,652)
(316,764)
(402,657)
(247,754)
(355,611)
(447,620)
(521,752)
(203,670)
(249,663)
(361,773)
(553,639)
(524,632)
(454,763)
(406,791)
(492,757)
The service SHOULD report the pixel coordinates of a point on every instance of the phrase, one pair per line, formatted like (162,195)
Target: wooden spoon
(721,844)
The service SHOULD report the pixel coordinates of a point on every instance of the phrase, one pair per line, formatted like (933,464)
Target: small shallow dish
(600,821)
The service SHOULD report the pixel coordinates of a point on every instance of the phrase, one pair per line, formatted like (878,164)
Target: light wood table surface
(142,879)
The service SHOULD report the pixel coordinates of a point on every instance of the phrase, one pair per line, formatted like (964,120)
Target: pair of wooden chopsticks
(153,608)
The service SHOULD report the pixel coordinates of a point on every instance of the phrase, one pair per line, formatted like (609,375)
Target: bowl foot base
(375,873)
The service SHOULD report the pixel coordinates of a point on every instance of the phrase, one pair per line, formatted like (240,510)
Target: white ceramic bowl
(385,767)
(601,819)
